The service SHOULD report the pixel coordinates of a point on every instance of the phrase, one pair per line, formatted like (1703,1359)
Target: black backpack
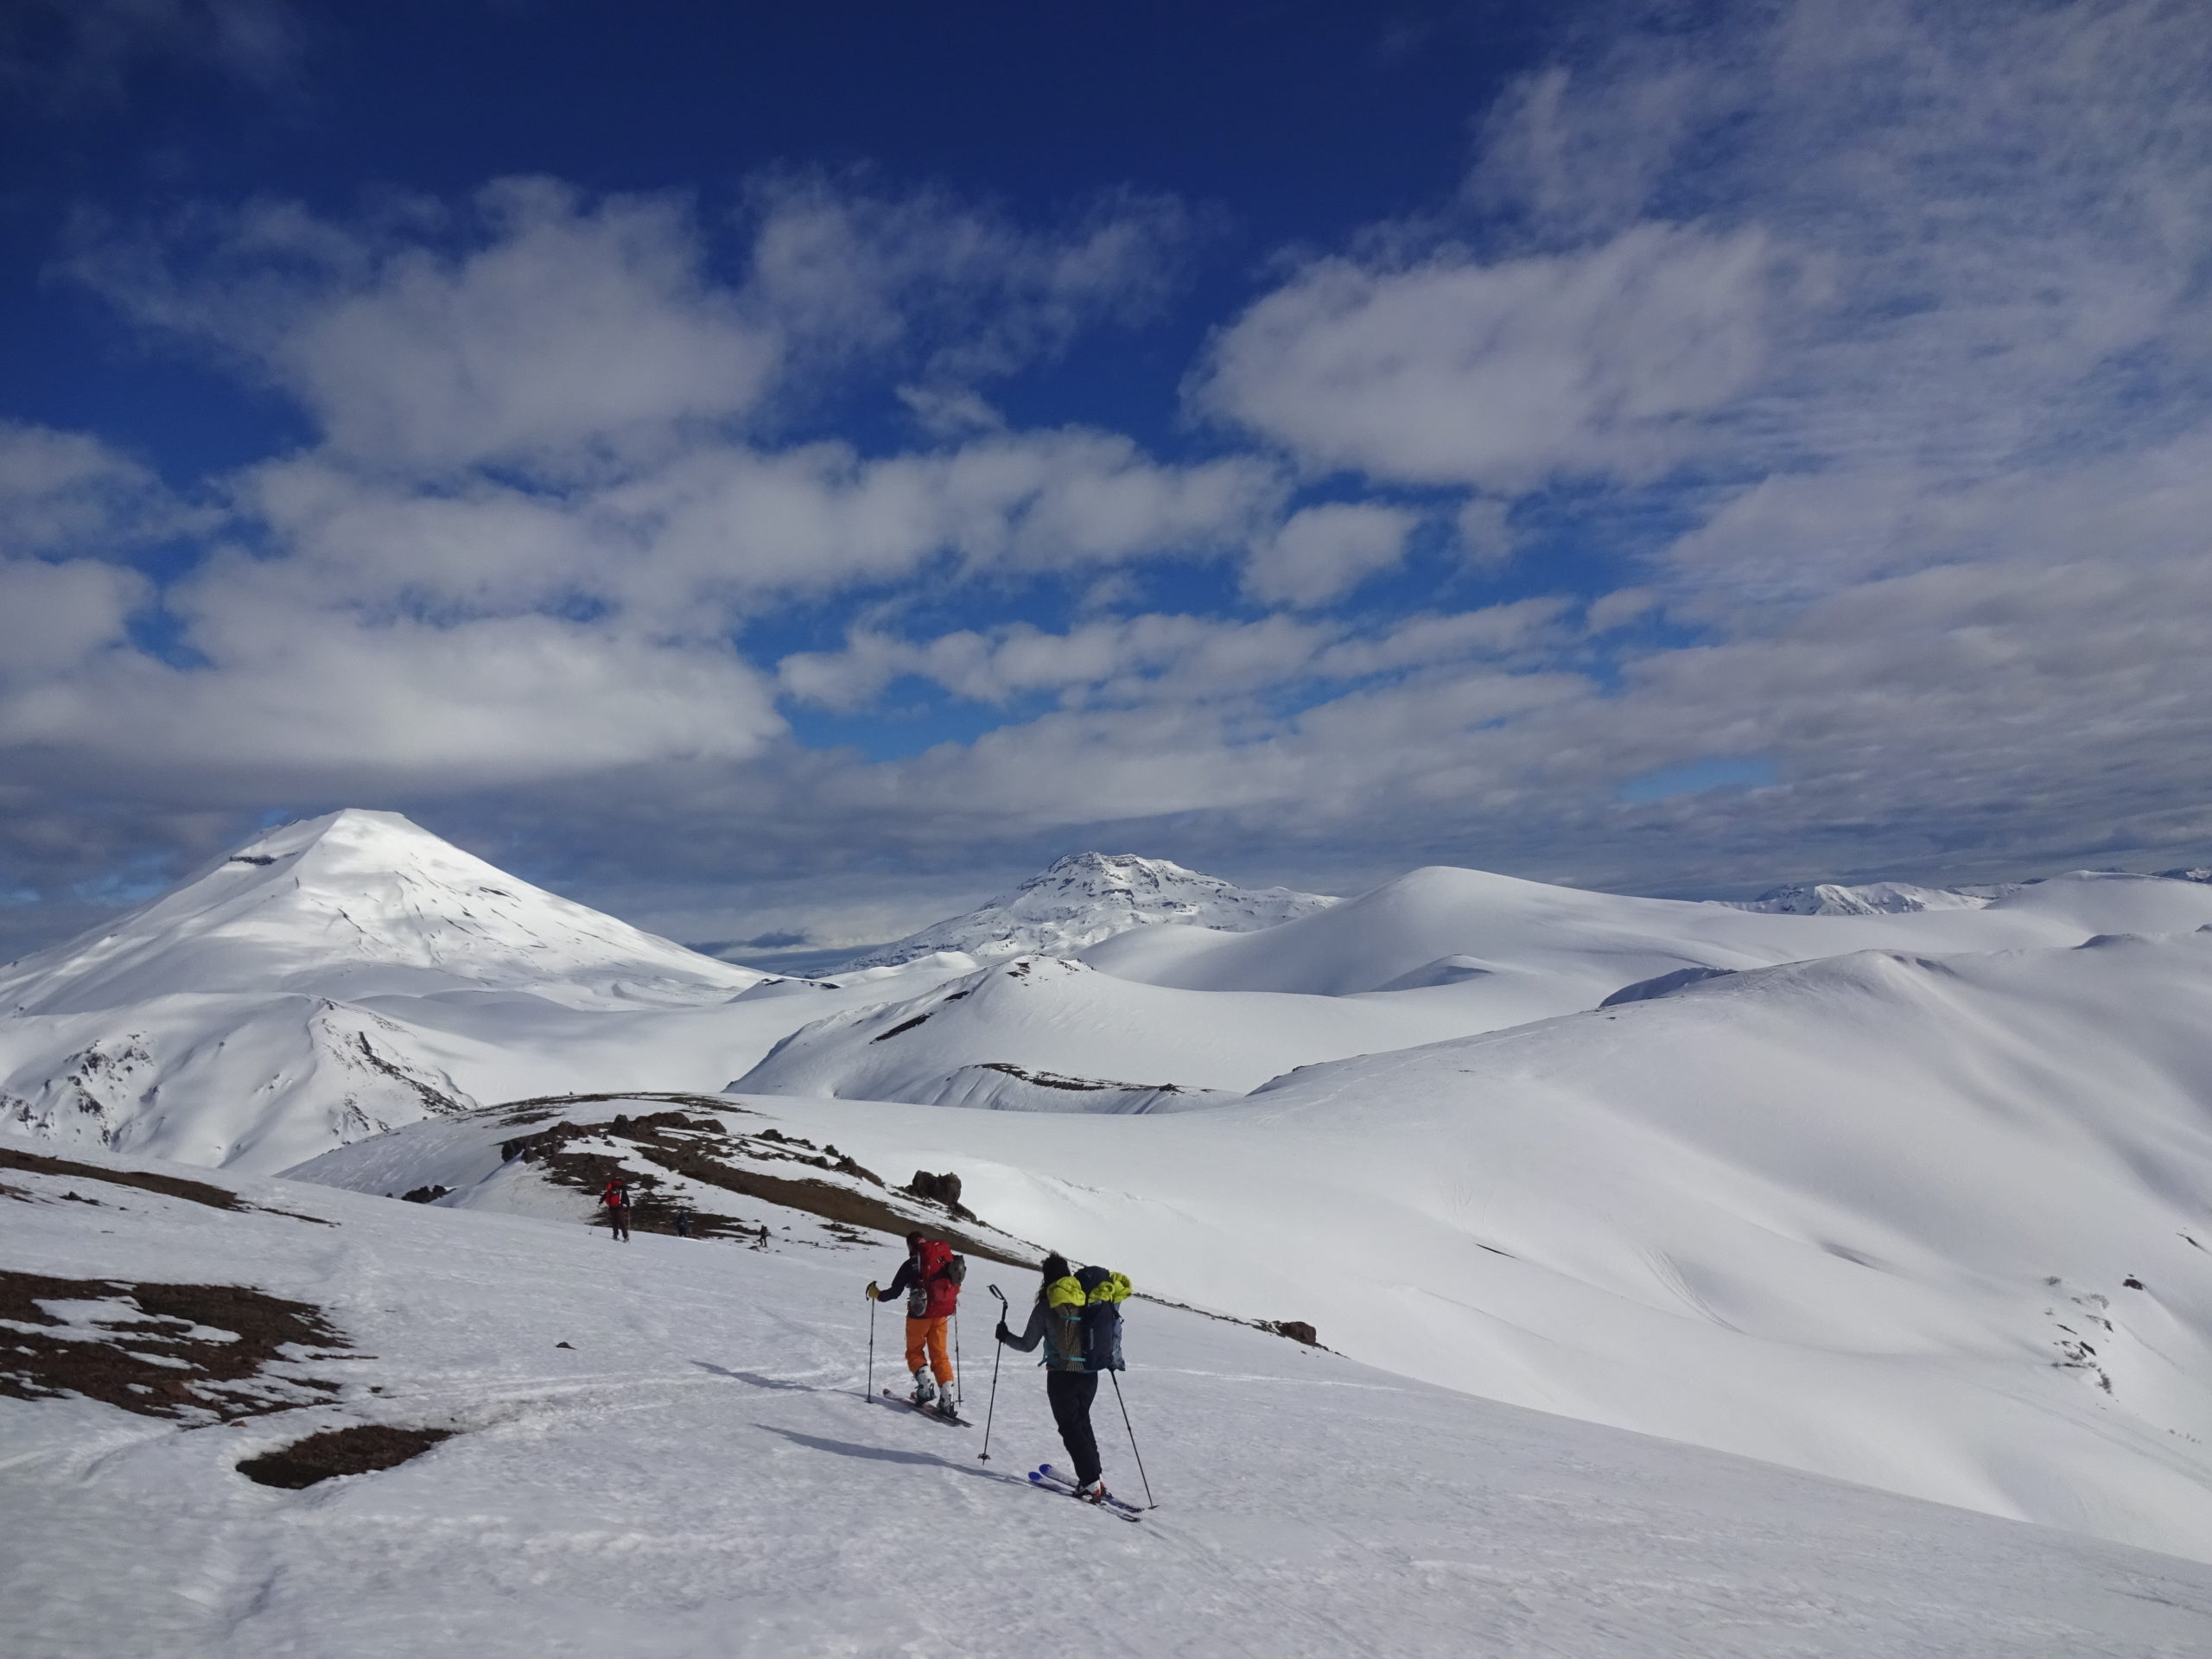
(1103,1291)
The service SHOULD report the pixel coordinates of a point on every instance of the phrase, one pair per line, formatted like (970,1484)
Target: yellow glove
(871,1293)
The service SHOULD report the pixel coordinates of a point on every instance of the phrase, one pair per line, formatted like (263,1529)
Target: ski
(926,1411)
(1045,1478)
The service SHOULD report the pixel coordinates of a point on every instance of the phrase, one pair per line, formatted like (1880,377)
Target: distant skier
(684,1223)
(1078,1320)
(615,1200)
(930,1276)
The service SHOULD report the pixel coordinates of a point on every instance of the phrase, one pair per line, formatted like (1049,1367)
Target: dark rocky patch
(360,1450)
(939,1189)
(904,1025)
(215,1198)
(424,1194)
(701,1149)
(1296,1330)
(150,1356)
(1080,1085)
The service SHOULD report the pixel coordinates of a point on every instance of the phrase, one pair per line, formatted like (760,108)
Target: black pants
(1071,1393)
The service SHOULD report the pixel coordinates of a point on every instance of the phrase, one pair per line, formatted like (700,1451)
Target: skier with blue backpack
(1077,1316)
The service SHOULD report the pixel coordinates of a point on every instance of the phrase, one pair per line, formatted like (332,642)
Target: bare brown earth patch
(161,1350)
(702,1150)
(173,1186)
(169,1186)
(360,1450)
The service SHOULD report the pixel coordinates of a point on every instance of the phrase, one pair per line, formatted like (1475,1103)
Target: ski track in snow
(700,1477)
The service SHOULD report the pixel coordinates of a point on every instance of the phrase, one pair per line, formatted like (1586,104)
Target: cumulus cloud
(1321,553)
(555,326)
(62,494)
(545,495)
(1501,375)
(1865,346)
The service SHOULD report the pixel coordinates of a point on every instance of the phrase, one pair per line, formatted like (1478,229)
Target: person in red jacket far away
(615,1200)
(932,1290)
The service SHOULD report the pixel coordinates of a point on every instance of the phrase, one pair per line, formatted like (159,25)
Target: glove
(1002,1334)
(872,1293)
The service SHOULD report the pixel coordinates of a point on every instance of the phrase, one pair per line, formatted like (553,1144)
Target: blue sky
(790,470)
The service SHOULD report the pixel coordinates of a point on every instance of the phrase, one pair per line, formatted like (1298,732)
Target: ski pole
(959,1363)
(1151,1502)
(998,1352)
(871,1348)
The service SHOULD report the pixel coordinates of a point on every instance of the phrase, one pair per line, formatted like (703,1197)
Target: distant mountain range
(1087,897)
(1905,1186)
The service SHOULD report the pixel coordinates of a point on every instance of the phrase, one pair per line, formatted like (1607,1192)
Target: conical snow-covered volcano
(359,902)
(1087,897)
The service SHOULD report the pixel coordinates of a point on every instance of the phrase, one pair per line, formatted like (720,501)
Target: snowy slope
(1087,897)
(357,903)
(261,1081)
(1041,1033)
(1202,1010)
(1569,948)
(661,1451)
(1873,1216)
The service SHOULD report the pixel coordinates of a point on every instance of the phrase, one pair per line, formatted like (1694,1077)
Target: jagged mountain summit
(359,902)
(1087,897)
(1869,899)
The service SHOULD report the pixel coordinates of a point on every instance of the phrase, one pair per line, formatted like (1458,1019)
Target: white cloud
(1321,553)
(572,327)
(326,702)
(817,518)
(51,616)
(961,290)
(65,489)
(1503,375)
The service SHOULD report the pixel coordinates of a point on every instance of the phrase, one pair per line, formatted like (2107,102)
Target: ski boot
(924,1391)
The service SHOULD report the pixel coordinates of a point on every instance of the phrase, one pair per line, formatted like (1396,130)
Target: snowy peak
(359,902)
(1872,898)
(1087,897)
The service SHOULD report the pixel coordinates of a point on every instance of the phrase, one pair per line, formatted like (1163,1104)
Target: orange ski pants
(930,1334)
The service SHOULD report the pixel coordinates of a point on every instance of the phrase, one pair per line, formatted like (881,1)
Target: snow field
(697,1476)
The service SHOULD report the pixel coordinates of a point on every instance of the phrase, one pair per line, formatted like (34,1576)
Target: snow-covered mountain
(1914,1198)
(1042,1033)
(355,904)
(668,1448)
(1087,897)
(1176,1014)
(1544,950)
(1937,1223)
(1869,899)
(335,978)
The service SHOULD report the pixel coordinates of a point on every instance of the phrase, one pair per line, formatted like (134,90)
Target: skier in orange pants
(930,1277)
